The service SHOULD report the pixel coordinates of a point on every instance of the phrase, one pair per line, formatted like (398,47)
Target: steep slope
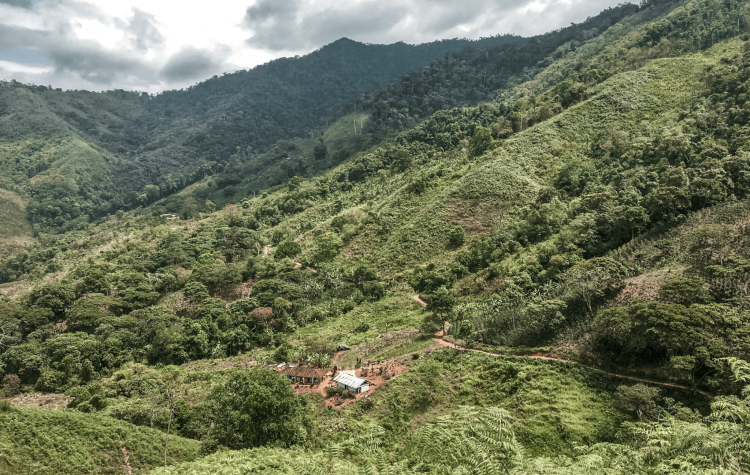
(462,79)
(173,139)
(522,222)
(43,441)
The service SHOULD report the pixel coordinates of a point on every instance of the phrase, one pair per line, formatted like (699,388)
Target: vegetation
(594,210)
(69,442)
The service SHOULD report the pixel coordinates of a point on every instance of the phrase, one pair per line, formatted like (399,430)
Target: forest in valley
(536,251)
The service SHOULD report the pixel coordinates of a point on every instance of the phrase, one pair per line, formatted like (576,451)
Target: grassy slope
(68,159)
(40,441)
(531,158)
(15,231)
(556,406)
(394,312)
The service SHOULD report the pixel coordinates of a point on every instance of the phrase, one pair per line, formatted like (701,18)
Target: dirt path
(265,251)
(540,356)
(447,344)
(126,466)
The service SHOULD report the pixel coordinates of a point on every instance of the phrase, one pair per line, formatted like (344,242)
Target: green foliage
(255,408)
(457,236)
(639,400)
(339,222)
(328,246)
(287,249)
(684,291)
(68,442)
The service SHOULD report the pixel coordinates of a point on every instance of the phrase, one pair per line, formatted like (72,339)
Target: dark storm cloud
(189,63)
(18,3)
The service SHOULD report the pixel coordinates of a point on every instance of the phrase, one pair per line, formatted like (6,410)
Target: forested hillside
(77,155)
(463,79)
(552,281)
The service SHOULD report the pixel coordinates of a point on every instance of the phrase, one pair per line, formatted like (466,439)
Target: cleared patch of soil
(646,286)
(45,401)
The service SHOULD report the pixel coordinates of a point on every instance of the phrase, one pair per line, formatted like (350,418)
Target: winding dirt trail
(447,344)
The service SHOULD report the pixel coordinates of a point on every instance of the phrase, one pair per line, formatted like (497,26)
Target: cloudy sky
(154,45)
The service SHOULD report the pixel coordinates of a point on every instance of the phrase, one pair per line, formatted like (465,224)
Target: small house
(352,383)
(304,374)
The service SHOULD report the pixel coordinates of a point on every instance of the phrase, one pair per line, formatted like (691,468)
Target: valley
(548,275)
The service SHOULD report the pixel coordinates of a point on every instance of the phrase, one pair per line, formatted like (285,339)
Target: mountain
(462,79)
(74,155)
(553,281)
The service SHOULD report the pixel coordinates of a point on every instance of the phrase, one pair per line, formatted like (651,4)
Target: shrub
(415,356)
(333,391)
(457,236)
(639,400)
(5,405)
(11,385)
(339,222)
(287,249)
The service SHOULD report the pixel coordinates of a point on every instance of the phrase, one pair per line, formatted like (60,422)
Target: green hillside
(100,150)
(40,441)
(593,216)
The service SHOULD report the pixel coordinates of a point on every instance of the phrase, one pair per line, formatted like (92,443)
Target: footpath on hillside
(447,344)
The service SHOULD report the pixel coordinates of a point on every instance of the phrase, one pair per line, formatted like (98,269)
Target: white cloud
(159,44)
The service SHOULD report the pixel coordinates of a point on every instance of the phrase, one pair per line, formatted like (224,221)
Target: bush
(11,385)
(457,236)
(5,405)
(362,328)
(415,356)
(333,391)
(639,400)
(339,222)
(287,249)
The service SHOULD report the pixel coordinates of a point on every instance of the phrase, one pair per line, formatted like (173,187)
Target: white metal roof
(349,380)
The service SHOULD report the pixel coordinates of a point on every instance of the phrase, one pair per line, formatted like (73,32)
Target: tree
(215,273)
(339,222)
(638,400)
(402,161)
(328,246)
(169,398)
(287,249)
(457,235)
(481,141)
(210,206)
(320,152)
(684,291)
(253,408)
(441,303)
(189,208)
(9,334)
(364,273)
(589,279)
(11,385)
